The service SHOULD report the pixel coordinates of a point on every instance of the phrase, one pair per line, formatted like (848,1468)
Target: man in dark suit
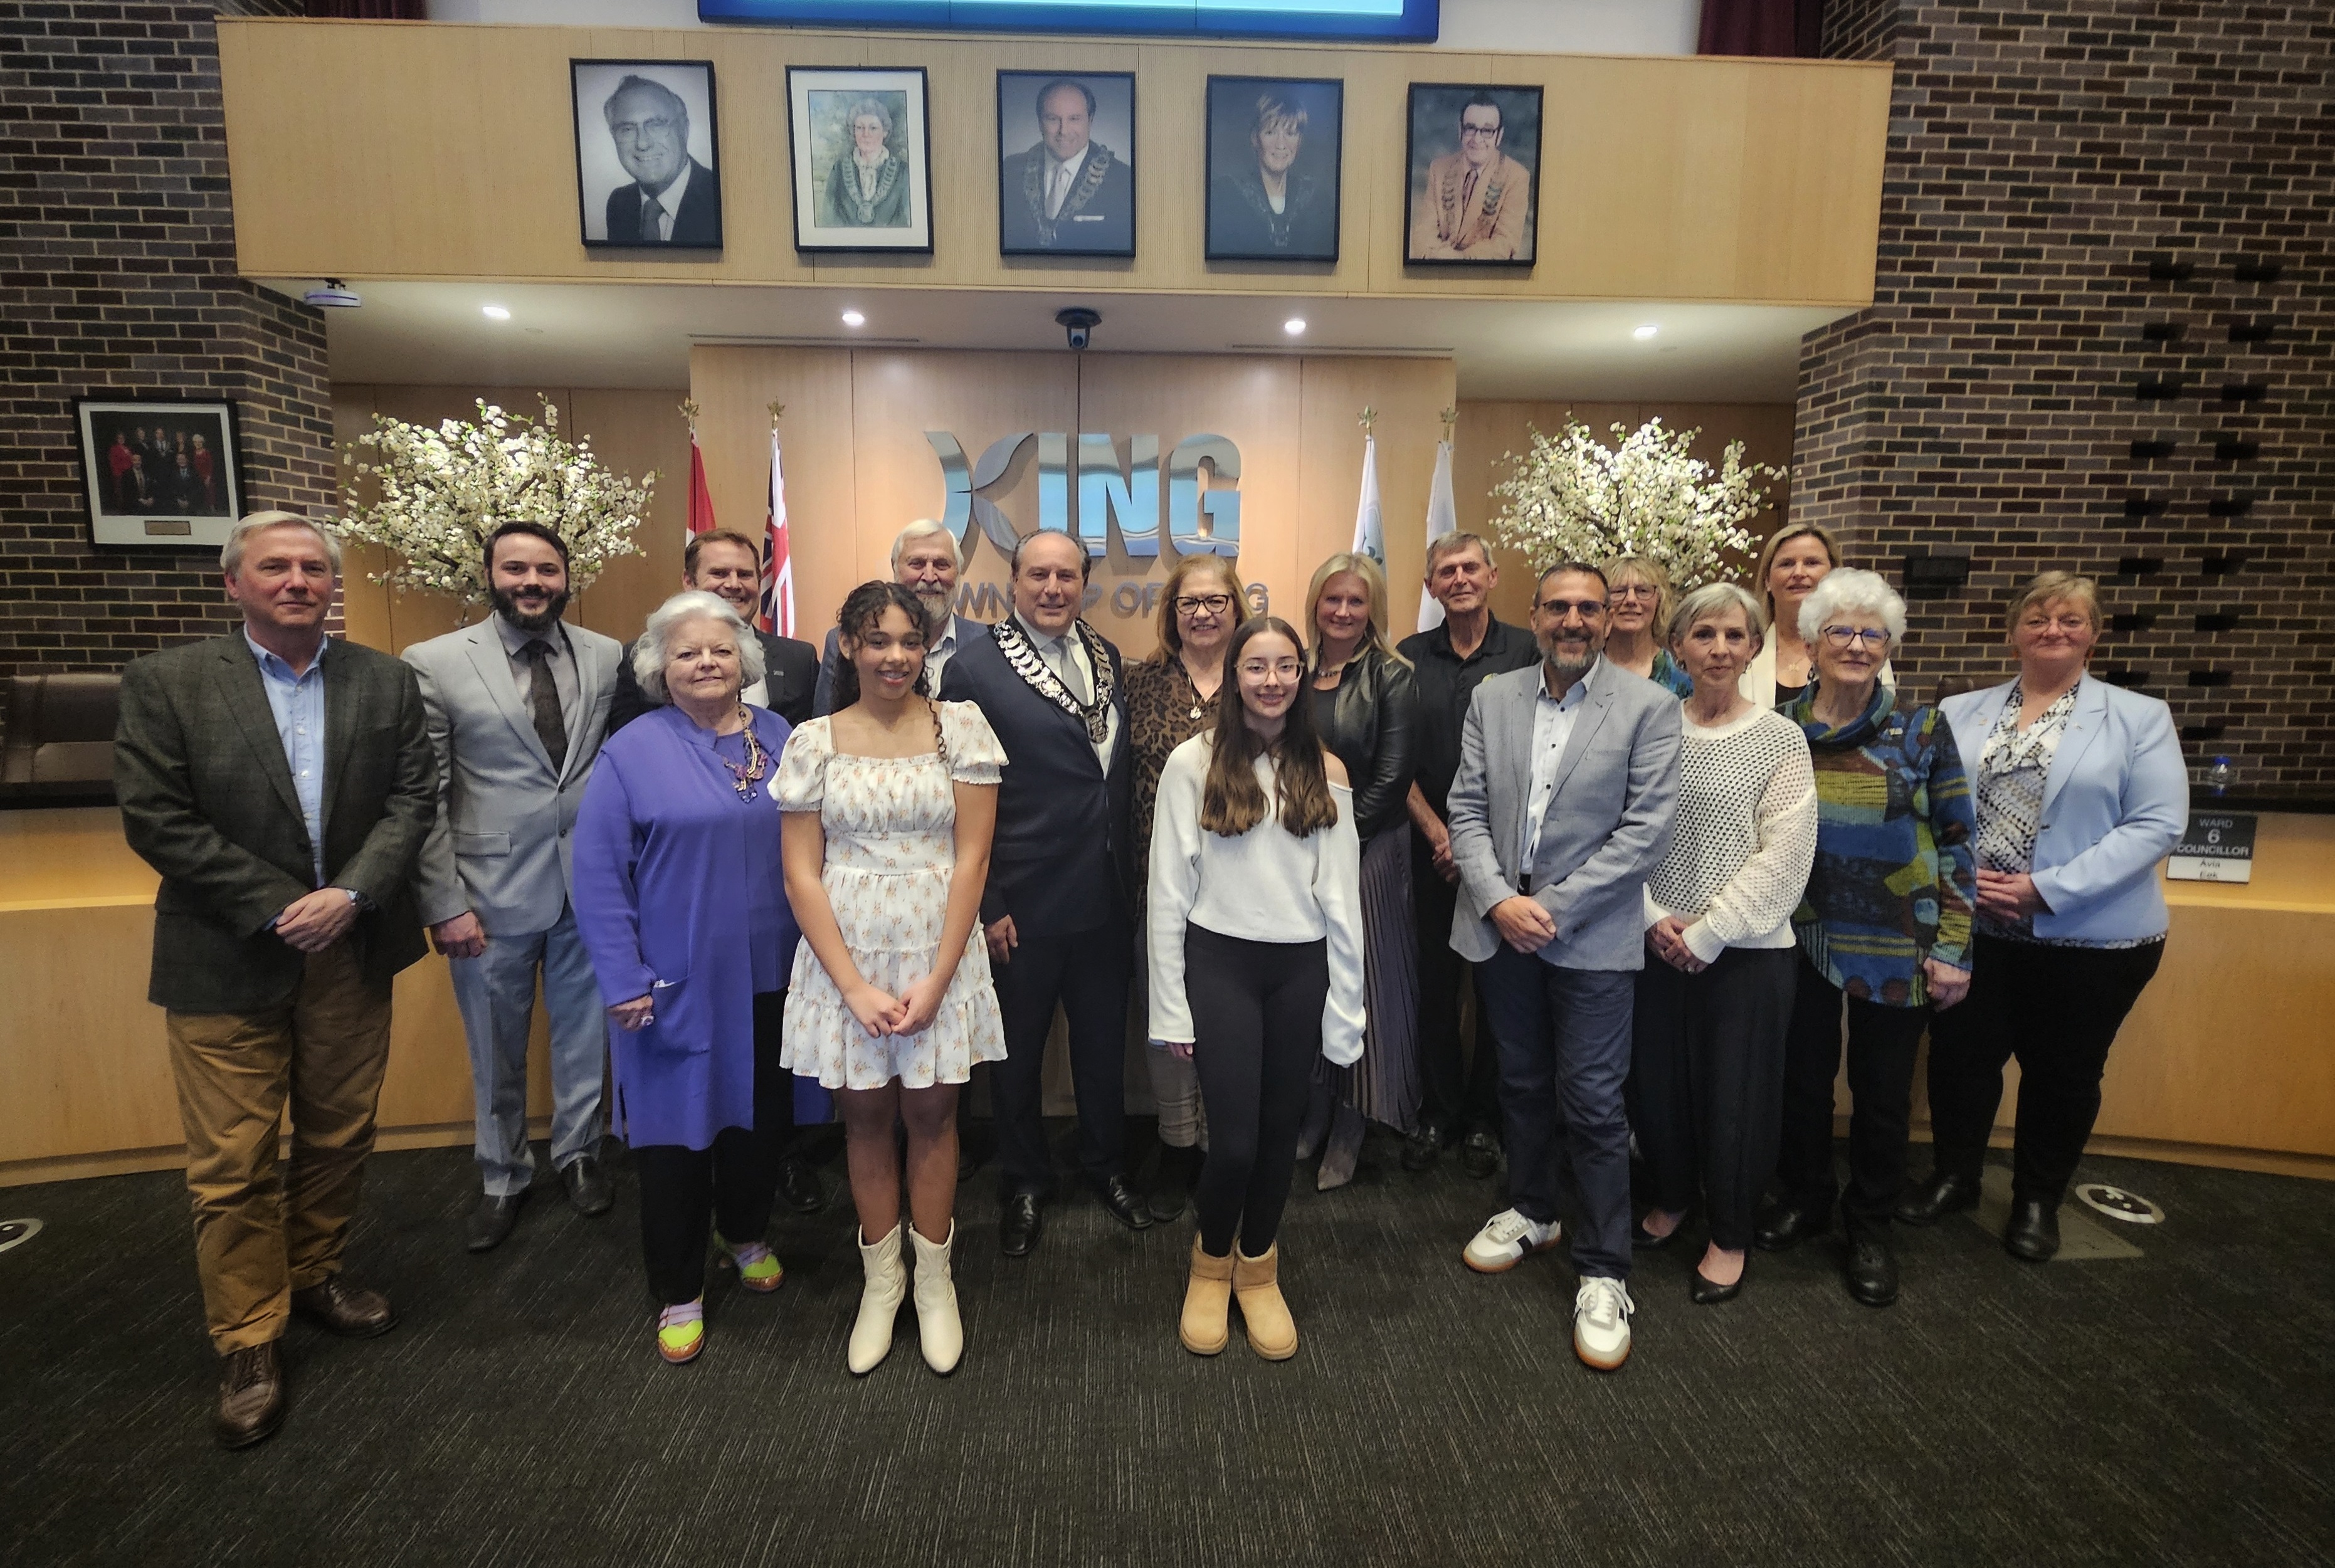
(673,200)
(1068,192)
(1057,907)
(725,563)
(283,785)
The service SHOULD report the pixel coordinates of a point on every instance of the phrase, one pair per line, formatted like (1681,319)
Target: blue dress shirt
(298,703)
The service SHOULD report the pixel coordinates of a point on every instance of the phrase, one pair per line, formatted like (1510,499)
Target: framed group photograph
(1273,148)
(1066,164)
(647,175)
(1473,159)
(159,471)
(862,158)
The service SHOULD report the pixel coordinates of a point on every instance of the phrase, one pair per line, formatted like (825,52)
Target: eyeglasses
(1203,604)
(627,127)
(2068,623)
(1587,609)
(1637,591)
(1280,669)
(1467,129)
(1873,637)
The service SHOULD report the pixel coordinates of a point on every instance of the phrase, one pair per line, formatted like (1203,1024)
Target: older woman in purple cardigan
(683,905)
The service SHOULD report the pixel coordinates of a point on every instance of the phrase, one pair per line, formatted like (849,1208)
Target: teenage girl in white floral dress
(889,807)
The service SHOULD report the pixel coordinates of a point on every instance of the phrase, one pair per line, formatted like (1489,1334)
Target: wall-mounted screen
(1389,21)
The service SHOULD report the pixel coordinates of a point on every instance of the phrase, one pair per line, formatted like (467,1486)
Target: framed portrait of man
(161,472)
(1274,154)
(862,158)
(1066,164)
(1473,159)
(647,173)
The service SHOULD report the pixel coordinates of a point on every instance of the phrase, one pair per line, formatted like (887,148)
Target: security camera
(1078,324)
(335,296)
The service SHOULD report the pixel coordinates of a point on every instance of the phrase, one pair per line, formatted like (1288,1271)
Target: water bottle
(2218,777)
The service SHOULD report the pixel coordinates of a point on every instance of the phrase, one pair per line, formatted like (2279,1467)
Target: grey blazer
(500,845)
(1608,823)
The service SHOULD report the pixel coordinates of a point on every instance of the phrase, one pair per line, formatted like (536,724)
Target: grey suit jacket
(1608,824)
(500,845)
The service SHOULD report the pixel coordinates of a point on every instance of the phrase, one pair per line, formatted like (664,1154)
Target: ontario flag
(700,499)
(778,565)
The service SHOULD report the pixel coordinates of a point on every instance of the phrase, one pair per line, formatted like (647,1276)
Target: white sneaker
(1506,1239)
(1600,1322)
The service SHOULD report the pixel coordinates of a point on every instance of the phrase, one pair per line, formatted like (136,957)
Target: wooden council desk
(2228,1059)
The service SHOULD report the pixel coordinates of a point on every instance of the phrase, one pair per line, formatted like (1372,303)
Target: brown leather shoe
(345,1309)
(251,1398)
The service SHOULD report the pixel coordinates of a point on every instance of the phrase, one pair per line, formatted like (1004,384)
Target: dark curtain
(385,10)
(1780,27)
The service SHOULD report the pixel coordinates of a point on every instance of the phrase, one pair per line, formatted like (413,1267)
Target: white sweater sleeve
(1338,888)
(1762,896)
(1175,882)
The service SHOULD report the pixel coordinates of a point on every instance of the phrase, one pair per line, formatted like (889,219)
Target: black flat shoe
(1871,1273)
(1704,1292)
(1944,1194)
(800,1188)
(2033,1233)
(1785,1226)
(1123,1203)
(1480,1154)
(588,1189)
(1018,1227)
(1643,1240)
(1424,1148)
(492,1222)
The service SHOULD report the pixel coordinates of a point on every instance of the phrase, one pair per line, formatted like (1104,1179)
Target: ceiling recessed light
(1642,332)
(1294,326)
(853,318)
(494,312)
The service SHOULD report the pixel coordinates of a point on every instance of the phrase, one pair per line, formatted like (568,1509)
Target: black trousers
(1087,974)
(1460,1089)
(1882,1043)
(2058,1011)
(1705,1086)
(1256,1022)
(686,1191)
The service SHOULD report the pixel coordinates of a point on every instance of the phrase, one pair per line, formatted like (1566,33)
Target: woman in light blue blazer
(2081,790)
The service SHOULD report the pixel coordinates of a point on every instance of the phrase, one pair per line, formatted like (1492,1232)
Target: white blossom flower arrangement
(443,491)
(1575,499)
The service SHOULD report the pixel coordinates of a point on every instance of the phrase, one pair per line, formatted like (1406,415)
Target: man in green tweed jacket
(282,784)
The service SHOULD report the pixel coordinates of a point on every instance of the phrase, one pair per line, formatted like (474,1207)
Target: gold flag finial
(776,410)
(1450,418)
(1370,417)
(689,411)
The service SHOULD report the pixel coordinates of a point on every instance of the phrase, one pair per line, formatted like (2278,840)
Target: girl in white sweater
(1255,927)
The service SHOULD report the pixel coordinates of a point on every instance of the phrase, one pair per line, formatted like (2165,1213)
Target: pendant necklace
(757,760)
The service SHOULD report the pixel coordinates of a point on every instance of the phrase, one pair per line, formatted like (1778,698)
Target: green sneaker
(758,1267)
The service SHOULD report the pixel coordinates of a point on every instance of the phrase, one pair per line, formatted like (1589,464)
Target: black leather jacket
(1372,724)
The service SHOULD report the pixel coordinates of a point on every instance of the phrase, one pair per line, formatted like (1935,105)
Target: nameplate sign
(2216,846)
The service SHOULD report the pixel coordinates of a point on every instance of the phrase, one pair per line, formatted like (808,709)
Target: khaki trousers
(262,1233)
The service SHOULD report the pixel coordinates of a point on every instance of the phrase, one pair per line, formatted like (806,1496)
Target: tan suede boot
(1257,1285)
(1207,1303)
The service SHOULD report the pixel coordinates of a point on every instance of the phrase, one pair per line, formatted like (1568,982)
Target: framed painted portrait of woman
(1272,168)
(861,152)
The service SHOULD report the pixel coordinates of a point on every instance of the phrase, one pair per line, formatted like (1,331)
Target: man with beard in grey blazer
(517,706)
(1561,808)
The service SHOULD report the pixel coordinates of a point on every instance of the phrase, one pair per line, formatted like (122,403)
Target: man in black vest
(1056,908)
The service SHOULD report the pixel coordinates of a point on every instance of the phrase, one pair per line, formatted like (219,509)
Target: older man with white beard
(924,561)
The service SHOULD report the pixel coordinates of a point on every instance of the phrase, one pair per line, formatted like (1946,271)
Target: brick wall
(120,280)
(2083,199)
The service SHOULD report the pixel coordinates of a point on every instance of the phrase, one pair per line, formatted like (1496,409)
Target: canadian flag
(778,565)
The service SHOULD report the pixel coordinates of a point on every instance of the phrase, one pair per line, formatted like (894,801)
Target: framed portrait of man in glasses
(1473,162)
(647,176)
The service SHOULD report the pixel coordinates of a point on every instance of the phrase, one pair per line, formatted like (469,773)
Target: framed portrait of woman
(1272,168)
(861,151)
(1473,160)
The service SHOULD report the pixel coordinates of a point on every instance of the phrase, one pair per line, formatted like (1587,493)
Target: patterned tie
(550,726)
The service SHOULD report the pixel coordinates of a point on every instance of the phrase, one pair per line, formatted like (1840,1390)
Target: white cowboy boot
(936,1320)
(879,1303)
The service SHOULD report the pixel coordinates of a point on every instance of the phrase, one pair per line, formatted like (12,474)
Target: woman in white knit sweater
(1255,894)
(1707,1053)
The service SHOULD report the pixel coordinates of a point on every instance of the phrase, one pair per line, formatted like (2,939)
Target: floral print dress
(891,850)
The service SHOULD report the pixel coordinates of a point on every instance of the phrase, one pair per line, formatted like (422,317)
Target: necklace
(757,761)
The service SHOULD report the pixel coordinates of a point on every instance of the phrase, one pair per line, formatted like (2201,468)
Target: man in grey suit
(518,707)
(282,783)
(1568,776)
(924,561)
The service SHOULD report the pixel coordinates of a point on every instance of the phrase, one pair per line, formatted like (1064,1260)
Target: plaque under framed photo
(648,171)
(161,473)
(860,147)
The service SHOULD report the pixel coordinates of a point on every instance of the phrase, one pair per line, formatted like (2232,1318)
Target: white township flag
(777,611)
(1442,517)
(1369,533)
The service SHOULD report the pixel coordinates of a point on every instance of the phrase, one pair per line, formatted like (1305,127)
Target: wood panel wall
(390,150)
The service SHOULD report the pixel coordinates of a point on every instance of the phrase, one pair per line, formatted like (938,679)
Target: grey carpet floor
(2177,1407)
